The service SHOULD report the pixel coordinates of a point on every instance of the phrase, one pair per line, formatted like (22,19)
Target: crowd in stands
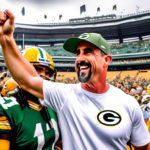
(129,83)
(68,80)
(131,47)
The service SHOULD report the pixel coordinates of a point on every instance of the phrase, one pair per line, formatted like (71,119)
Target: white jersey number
(39,133)
(8,102)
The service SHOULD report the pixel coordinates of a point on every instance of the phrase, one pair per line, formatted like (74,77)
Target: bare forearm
(146,147)
(19,67)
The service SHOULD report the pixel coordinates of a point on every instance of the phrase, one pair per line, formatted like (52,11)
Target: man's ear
(108,60)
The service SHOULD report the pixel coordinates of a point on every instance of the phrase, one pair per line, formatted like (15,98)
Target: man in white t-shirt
(93,115)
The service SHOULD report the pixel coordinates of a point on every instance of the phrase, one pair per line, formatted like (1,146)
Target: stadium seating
(112,74)
(61,75)
(57,51)
(67,77)
(1,52)
(131,74)
(144,74)
(132,47)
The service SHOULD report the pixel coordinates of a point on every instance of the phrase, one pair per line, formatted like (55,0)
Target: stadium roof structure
(132,25)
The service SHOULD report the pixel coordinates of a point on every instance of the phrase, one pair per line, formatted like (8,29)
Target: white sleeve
(139,134)
(148,105)
(55,94)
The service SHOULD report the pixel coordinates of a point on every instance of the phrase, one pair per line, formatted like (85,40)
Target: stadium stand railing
(116,49)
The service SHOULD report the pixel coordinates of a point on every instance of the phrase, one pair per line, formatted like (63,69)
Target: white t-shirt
(90,121)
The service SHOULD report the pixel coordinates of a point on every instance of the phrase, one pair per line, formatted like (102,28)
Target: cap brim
(71,44)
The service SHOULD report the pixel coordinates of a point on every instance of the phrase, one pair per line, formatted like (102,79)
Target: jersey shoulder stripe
(4,123)
(34,105)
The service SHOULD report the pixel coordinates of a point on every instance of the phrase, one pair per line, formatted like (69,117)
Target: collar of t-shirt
(95,95)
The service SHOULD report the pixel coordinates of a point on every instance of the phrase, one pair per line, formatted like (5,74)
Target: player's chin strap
(42,76)
(52,78)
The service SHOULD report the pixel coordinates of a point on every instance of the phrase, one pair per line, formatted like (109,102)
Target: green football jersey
(31,127)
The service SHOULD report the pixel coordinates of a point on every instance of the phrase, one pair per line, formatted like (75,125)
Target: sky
(36,9)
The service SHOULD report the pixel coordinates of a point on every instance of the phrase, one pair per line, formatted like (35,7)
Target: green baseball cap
(93,38)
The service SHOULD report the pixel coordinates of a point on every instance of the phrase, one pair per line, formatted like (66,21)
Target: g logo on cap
(84,36)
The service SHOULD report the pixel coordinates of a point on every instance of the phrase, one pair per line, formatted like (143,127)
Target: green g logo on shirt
(84,36)
(108,118)
(8,102)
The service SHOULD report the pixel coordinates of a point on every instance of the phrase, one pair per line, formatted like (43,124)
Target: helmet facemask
(52,73)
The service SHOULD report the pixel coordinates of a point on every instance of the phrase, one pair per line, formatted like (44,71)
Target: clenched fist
(7,25)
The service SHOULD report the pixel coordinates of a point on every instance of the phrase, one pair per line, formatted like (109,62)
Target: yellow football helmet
(39,57)
(148,89)
(10,88)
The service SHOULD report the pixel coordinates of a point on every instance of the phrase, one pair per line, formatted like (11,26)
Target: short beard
(86,78)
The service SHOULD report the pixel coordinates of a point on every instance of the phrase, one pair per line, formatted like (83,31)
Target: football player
(25,123)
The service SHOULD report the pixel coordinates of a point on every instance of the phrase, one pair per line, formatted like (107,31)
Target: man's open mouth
(84,69)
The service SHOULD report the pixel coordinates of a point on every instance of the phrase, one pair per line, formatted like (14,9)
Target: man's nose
(81,57)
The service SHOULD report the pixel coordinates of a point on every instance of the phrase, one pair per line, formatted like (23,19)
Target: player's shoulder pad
(11,108)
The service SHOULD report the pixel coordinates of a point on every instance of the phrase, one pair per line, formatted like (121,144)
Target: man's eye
(88,51)
(77,52)
(38,69)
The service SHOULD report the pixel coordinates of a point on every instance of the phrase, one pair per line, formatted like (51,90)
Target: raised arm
(146,147)
(20,69)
